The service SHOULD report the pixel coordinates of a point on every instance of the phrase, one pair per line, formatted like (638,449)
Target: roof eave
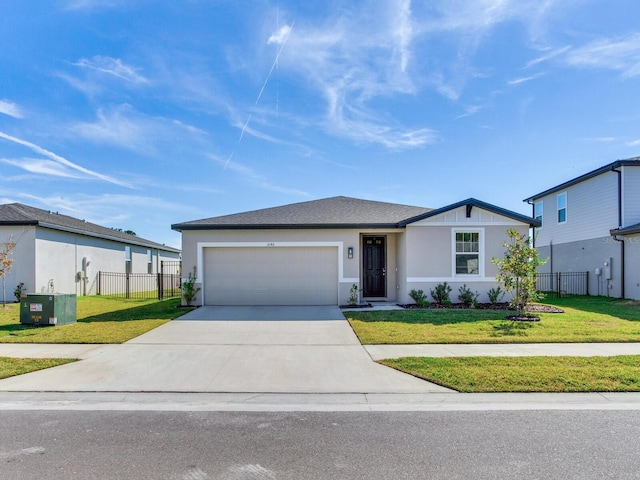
(326,226)
(132,241)
(479,204)
(594,173)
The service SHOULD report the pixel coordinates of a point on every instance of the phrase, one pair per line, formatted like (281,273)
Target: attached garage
(249,275)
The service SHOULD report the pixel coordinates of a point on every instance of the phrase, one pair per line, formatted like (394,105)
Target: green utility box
(48,309)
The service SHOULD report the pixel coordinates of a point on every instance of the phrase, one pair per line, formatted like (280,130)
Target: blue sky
(139,114)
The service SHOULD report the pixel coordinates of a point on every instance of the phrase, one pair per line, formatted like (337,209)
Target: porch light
(350,252)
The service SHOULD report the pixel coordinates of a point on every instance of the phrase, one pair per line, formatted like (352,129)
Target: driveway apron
(233,349)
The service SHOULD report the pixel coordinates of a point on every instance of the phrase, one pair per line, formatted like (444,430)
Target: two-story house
(592,224)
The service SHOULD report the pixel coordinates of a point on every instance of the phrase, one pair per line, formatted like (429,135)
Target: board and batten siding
(631,195)
(592,210)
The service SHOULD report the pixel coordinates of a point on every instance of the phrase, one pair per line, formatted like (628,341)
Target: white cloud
(11,109)
(43,167)
(112,66)
(633,143)
(123,126)
(621,54)
(62,161)
(518,81)
(280,36)
(256,179)
(548,55)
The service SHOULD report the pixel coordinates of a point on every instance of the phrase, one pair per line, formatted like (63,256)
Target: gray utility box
(48,309)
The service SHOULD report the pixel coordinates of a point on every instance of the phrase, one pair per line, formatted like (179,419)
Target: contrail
(275,62)
(264,85)
(63,161)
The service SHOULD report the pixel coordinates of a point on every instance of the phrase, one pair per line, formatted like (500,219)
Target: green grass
(17,366)
(586,319)
(526,374)
(100,320)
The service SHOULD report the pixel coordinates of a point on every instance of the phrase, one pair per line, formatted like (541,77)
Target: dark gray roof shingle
(334,212)
(19,214)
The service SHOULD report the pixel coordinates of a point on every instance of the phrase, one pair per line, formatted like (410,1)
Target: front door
(374,267)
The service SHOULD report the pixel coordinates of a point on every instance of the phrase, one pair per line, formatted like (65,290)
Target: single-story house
(60,253)
(314,252)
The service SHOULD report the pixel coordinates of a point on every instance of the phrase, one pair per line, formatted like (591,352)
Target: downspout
(533,229)
(622,260)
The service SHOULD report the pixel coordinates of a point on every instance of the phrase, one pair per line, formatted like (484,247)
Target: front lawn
(17,366)
(526,374)
(100,320)
(585,319)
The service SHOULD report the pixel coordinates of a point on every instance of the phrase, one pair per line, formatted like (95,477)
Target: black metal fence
(165,284)
(561,284)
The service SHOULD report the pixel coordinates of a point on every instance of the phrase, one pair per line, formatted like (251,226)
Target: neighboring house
(66,253)
(314,252)
(592,224)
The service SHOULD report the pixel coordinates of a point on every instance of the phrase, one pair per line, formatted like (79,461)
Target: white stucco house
(591,223)
(63,253)
(313,252)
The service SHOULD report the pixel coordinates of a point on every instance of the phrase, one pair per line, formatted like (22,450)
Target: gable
(458,216)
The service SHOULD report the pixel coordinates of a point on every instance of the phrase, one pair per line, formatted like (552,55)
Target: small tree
(518,270)
(6,251)
(189,289)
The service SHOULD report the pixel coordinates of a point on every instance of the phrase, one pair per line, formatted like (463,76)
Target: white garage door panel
(271,276)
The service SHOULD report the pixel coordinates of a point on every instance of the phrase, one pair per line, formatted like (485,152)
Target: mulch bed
(537,308)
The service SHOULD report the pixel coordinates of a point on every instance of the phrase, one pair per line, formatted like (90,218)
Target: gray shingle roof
(630,230)
(334,212)
(19,214)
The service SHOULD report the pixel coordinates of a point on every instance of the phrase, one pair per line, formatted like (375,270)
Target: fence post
(587,272)
(559,284)
(127,286)
(99,283)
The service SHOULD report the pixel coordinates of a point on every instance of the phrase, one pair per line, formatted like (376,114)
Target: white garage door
(271,276)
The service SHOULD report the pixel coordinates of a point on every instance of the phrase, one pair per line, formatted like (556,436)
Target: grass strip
(585,319)
(99,320)
(526,374)
(10,367)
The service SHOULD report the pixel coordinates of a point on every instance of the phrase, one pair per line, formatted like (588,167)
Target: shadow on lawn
(511,328)
(163,310)
(622,308)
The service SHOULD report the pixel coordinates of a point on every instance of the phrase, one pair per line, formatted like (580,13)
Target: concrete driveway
(233,349)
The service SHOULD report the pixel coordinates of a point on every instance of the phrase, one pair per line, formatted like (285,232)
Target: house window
(467,253)
(127,259)
(562,207)
(149,262)
(537,212)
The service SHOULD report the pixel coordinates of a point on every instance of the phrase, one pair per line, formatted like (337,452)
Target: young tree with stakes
(518,269)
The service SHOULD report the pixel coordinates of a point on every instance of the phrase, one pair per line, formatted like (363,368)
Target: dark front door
(374,266)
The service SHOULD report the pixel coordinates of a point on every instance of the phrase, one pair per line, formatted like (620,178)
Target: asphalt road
(313,445)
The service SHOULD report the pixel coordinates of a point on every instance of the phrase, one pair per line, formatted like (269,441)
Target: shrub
(441,293)
(495,294)
(419,297)
(189,289)
(466,296)
(18,291)
(354,293)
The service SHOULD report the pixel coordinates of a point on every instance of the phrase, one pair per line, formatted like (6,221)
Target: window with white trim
(127,259)
(537,212)
(562,207)
(149,261)
(467,253)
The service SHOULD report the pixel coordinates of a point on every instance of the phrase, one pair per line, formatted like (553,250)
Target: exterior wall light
(350,252)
